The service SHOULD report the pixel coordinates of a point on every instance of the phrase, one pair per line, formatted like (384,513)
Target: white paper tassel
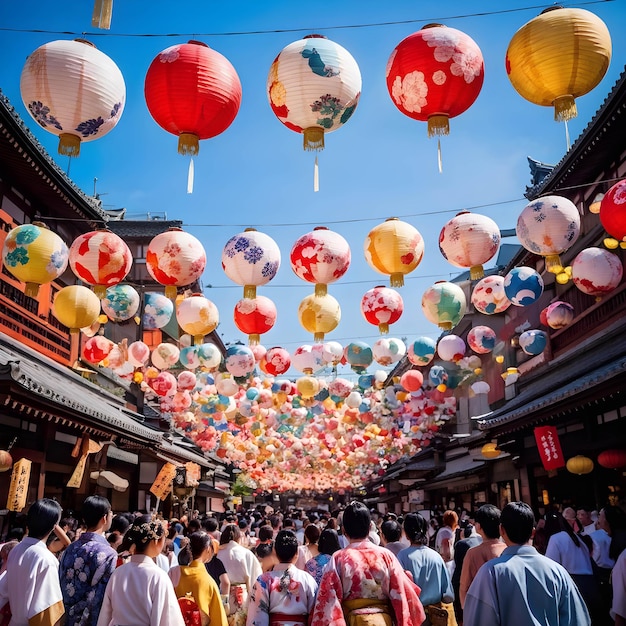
(316,176)
(190,177)
(439,162)
(567,140)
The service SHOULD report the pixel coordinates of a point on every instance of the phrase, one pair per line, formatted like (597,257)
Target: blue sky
(380,164)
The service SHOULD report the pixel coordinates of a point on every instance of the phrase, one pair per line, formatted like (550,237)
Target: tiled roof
(141,228)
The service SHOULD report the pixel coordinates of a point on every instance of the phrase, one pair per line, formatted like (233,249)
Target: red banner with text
(549,447)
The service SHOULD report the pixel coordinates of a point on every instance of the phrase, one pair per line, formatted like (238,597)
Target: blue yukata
(85,569)
(524,587)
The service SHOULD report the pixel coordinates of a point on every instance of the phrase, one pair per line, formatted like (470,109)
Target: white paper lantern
(451,348)
(388,350)
(73,91)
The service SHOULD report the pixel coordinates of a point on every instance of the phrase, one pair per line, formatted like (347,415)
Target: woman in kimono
(140,592)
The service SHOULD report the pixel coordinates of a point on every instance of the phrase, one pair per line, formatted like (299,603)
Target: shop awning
(458,469)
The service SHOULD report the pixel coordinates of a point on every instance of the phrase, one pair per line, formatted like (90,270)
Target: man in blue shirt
(522,586)
(87,565)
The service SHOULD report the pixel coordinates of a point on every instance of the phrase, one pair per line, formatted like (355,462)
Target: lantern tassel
(383,328)
(31,290)
(321,289)
(313,138)
(190,176)
(254,339)
(316,176)
(188,143)
(565,108)
(567,139)
(439,162)
(476,272)
(102,10)
(69,145)
(396,279)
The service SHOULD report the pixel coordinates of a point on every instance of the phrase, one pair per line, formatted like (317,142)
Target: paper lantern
(239,360)
(165,355)
(412,380)
(313,86)
(613,214)
(197,316)
(74,91)
(559,314)
(533,342)
(188,357)
(164,384)
(276,361)
(121,303)
(490,451)
(76,307)
(35,255)
(308,359)
(138,353)
(481,339)
(489,297)
(359,356)
(580,465)
(549,226)
(421,351)
(192,92)
(451,348)
(320,257)
(100,259)
(251,259)
(209,356)
(255,316)
(96,349)
(435,74)
(469,240)
(444,304)
(558,56)
(388,350)
(175,259)
(597,272)
(438,377)
(6,461)
(157,310)
(523,286)
(307,386)
(332,352)
(612,459)
(382,306)
(319,315)
(395,248)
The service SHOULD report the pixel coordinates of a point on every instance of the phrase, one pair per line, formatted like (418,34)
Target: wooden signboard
(162,484)
(18,490)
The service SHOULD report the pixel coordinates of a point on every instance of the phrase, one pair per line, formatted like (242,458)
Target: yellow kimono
(196,580)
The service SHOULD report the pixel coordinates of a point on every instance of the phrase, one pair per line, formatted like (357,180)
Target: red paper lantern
(412,380)
(612,459)
(255,316)
(613,212)
(276,361)
(382,306)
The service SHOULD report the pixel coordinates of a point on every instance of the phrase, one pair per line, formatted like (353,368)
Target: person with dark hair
(365,576)
(391,533)
(487,520)
(191,577)
(87,565)
(217,571)
(31,580)
(266,556)
(309,550)
(426,566)
(140,592)
(470,540)
(522,586)
(242,567)
(327,545)
(285,594)
(266,534)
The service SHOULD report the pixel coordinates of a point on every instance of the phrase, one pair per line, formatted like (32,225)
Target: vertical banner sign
(549,447)
(162,484)
(193,474)
(18,490)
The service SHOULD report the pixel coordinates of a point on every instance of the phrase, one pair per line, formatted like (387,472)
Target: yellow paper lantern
(197,316)
(395,248)
(490,450)
(319,315)
(558,56)
(580,465)
(76,307)
(307,386)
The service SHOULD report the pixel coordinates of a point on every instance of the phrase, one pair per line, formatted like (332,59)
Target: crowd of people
(351,567)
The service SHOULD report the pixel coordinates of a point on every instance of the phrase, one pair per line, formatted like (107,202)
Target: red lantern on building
(255,316)
(382,306)
(193,92)
(612,459)
(613,214)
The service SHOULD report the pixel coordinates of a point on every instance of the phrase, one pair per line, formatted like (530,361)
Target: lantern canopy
(580,465)
(558,56)
(596,271)
(489,297)
(394,248)
(613,212)
(35,255)
(251,259)
(121,303)
(197,316)
(101,259)
(313,86)
(469,240)
(255,316)
(382,306)
(175,259)
(444,304)
(435,74)
(76,307)
(319,315)
(549,226)
(73,91)
(321,257)
(192,92)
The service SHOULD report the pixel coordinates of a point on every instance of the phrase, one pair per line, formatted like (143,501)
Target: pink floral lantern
(388,350)
(558,315)
(332,352)
(251,259)
(100,259)
(165,355)
(320,257)
(186,380)
(197,316)
(382,306)
(470,240)
(597,272)
(164,384)
(96,349)
(255,316)
(481,339)
(489,297)
(276,361)
(308,359)
(175,259)
(138,353)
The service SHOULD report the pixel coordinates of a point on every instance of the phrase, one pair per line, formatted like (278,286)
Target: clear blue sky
(380,164)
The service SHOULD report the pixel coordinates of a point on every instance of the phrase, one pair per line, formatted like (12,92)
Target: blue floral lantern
(422,350)
(533,342)
(359,355)
(157,310)
(523,286)
(121,303)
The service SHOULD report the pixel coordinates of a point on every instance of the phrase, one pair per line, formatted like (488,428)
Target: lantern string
(307,29)
(190,176)
(316,176)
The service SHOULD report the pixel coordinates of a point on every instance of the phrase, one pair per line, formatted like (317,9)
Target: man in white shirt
(583,515)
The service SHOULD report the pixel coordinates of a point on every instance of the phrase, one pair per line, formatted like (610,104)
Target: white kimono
(32,584)
(140,593)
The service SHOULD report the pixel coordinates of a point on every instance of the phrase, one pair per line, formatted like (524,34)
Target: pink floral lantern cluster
(382,306)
